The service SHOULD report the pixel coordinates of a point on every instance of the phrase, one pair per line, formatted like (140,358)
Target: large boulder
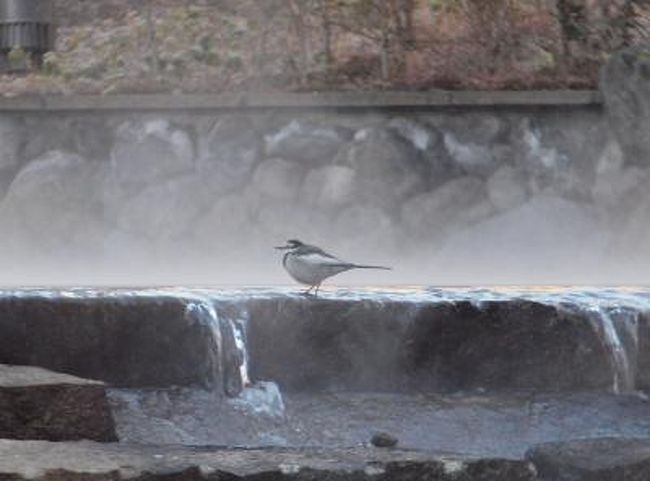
(56,201)
(226,226)
(558,152)
(147,152)
(429,144)
(278,179)
(546,240)
(435,214)
(507,187)
(473,158)
(229,153)
(40,404)
(387,168)
(307,141)
(625,83)
(328,187)
(166,210)
(12,139)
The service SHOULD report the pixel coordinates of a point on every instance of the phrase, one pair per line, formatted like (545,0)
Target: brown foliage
(225,45)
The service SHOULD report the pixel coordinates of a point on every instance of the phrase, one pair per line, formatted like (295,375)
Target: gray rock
(429,144)
(13,136)
(166,210)
(507,188)
(476,128)
(632,224)
(422,137)
(383,440)
(46,133)
(229,153)
(435,214)
(92,138)
(387,168)
(57,200)
(150,151)
(625,83)
(546,240)
(473,158)
(278,179)
(226,225)
(612,187)
(557,153)
(307,141)
(329,187)
(40,404)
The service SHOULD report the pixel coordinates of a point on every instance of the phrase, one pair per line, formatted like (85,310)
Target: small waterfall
(238,328)
(203,311)
(262,397)
(617,328)
(228,325)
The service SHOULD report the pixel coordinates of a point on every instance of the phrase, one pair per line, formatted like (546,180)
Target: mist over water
(451,198)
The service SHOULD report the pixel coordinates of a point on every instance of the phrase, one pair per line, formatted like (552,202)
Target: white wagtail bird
(311,265)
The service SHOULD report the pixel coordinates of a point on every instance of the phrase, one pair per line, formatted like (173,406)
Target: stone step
(606,459)
(362,340)
(40,404)
(41,461)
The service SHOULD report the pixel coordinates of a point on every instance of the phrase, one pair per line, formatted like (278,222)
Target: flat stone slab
(607,459)
(88,461)
(486,425)
(39,404)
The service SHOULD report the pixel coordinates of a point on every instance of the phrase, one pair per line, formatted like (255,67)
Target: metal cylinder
(26,24)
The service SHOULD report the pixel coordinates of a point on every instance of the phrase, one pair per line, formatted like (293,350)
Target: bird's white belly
(311,270)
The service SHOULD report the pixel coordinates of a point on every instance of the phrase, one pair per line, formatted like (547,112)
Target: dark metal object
(26,24)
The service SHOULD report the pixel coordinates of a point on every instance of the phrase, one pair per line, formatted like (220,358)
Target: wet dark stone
(124,341)
(405,346)
(383,440)
(40,404)
(606,459)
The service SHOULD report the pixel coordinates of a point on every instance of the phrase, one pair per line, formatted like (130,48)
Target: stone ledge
(604,459)
(90,461)
(40,404)
(319,100)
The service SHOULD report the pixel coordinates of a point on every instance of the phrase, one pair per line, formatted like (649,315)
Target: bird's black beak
(282,248)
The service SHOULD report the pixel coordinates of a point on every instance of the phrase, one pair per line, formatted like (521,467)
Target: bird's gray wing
(309,249)
(316,255)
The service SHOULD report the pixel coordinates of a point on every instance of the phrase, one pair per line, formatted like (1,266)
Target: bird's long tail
(357,266)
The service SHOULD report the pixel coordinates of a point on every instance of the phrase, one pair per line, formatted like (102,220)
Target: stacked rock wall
(508,194)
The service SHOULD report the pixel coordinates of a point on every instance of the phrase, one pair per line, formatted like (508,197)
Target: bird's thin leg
(317,288)
(308,291)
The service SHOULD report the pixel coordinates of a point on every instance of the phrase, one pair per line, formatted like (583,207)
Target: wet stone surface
(41,461)
(490,373)
(496,425)
(40,404)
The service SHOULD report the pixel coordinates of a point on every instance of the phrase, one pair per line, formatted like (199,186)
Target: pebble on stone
(383,440)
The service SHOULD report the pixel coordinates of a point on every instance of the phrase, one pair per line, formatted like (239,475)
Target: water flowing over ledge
(270,367)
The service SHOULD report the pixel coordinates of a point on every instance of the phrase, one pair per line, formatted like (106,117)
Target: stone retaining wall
(446,187)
